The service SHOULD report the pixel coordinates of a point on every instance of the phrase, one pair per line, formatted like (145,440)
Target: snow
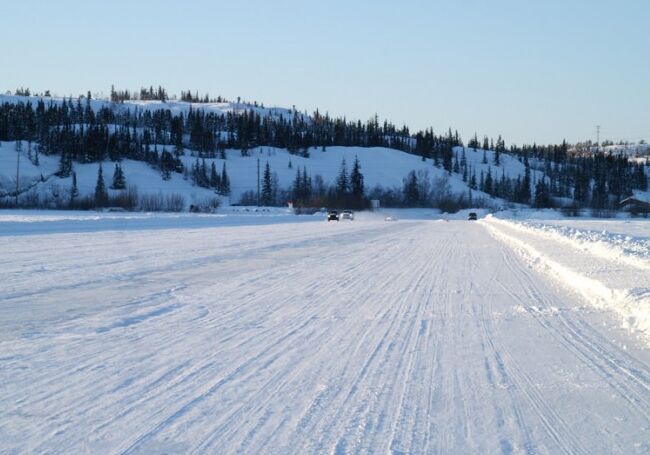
(294,335)
(609,266)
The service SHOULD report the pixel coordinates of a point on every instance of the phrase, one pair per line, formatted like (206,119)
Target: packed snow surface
(214,335)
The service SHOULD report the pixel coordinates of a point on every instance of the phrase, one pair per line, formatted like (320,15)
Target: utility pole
(597,138)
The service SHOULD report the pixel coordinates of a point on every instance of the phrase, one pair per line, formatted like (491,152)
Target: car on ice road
(347,215)
(332,215)
(472,216)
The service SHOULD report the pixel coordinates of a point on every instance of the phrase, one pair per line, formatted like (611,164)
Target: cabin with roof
(635,205)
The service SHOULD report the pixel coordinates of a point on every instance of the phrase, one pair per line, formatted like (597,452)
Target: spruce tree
(641,177)
(447,157)
(119,182)
(267,186)
(205,181)
(215,180)
(487,186)
(101,196)
(65,165)
(411,190)
(225,181)
(306,184)
(74,191)
(167,165)
(356,181)
(525,193)
(298,189)
(542,197)
(342,181)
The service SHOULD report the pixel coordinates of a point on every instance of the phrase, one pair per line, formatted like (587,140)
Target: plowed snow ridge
(611,271)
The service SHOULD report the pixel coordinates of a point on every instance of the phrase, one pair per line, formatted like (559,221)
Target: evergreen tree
(525,191)
(101,195)
(356,180)
(500,148)
(267,186)
(215,180)
(473,143)
(307,184)
(119,182)
(205,180)
(65,165)
(225,181)
(411,190)
(74,191)
(298,189)
(488,184)
(167,164)
(641,177)
(342,181)
(447,157)
(472,181)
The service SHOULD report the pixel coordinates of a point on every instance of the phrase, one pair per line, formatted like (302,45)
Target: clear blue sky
(530,70)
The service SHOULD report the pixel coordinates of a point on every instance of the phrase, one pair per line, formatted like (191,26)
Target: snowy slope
(380,166)
(412,337)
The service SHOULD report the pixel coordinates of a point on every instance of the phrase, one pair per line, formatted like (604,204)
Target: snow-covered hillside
(380,166)
(81,139)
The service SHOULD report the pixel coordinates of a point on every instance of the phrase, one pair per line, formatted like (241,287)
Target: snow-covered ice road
(364,337)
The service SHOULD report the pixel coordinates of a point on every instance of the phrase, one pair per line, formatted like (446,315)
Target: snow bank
(613,246)
(610,272)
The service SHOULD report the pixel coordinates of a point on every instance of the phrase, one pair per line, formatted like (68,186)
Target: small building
(634,205)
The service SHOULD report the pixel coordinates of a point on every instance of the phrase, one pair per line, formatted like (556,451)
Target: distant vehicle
(347,215)
(332,215)
(472,216)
